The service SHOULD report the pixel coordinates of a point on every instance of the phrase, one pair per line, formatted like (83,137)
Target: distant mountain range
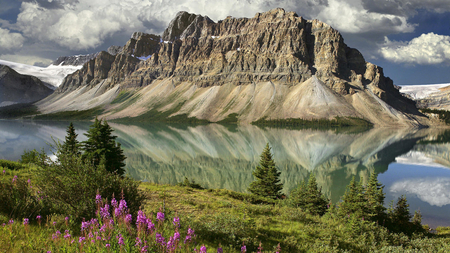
(274,66)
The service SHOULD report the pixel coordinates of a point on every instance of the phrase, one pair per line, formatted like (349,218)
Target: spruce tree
(309,197)
(267,183)
(353,201)
(71,144)
(375,199)
(101,148)
(316,202)
(400,214)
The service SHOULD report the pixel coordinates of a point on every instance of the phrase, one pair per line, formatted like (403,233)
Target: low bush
(72,183)
(11,165)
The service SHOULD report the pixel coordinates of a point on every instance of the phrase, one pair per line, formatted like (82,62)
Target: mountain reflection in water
(218,156)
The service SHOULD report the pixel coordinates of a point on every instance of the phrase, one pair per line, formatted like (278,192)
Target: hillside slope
(17,88)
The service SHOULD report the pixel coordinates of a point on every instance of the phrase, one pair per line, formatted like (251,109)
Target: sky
(409,39)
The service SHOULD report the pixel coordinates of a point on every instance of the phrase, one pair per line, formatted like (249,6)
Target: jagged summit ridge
(276,51)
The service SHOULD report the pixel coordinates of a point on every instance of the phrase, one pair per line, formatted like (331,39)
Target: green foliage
(443,115)
(17,111)
(72,183)
(309,197)
(375,199)
(232,118)
(267,183)
(292,122)
(191,184)
(122,97)
(34,157)
(11,165)
(251,198)
(18,199)
(102,147)
(353,201)
(71,144)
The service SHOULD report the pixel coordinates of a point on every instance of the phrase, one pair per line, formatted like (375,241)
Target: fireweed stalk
(115,230)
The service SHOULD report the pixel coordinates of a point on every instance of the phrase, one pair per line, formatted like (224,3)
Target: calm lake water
(410,162)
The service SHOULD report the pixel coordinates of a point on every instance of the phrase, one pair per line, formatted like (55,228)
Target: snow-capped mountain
(52,75)
(422,91)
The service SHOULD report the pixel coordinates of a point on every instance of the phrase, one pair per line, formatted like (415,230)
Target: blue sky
(410,39)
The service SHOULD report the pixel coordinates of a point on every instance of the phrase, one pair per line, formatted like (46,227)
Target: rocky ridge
(17,88)
(274,65)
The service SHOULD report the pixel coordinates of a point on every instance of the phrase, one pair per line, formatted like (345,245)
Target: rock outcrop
(254,67)
(74,60)
(17,88)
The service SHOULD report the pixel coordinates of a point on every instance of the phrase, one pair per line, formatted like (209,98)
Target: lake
(410,162)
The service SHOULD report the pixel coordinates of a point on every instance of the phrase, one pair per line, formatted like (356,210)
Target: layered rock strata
(275,65)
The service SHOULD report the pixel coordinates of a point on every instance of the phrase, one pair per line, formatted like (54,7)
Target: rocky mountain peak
(183,25)
(276,49)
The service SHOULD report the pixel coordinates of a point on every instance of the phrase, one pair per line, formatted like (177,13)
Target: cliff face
(17,88)
(263,65)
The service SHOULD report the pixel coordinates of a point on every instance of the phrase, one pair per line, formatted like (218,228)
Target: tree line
(363,202)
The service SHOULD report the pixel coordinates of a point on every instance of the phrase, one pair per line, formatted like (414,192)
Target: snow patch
(52,75)
(215,37)
(238,49)
(422,91)
(144,58)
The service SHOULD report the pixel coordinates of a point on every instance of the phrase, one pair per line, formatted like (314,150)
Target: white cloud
(351,17)
(9,40)
(85,24)
(25,59)
(435,191)
(426,49)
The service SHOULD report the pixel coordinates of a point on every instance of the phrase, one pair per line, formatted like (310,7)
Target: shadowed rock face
(17,88)
(271,54)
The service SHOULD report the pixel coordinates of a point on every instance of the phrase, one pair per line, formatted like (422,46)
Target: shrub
(72,184)
(18,199)
(10,165)
(34,157)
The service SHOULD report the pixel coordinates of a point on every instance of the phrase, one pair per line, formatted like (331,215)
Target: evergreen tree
(71,144)
(267,182)
(101,148)
(309,197)
(353,201)
(417,218)
(400,214)
(375,199)
(297,197)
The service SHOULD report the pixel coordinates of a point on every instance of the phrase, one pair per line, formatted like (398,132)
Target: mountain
(433,96)
(52,76)
(275,65)
(79,60)
(17,88)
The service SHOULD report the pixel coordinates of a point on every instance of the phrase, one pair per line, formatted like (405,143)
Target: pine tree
(101,148)
(316,202)
(297,197)
(71,144)
(353,201)
(401,215)
(309,197)
(417,218)
(267,182)
(375,199)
